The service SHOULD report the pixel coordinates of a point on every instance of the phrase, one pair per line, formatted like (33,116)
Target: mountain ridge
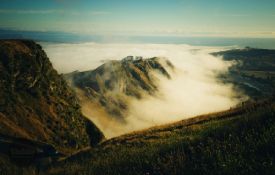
(36,102)
(112,84)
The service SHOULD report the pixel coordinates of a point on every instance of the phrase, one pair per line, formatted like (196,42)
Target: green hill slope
(238,141)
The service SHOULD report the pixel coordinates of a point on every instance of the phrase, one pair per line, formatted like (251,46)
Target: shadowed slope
(35,101)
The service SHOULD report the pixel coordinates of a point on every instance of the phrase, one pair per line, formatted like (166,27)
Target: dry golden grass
(237,141)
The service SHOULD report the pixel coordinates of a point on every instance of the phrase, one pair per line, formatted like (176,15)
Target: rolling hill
(237,141)
(253,72)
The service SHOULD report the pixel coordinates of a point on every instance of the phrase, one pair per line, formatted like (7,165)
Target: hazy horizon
(73,38)
(217,18)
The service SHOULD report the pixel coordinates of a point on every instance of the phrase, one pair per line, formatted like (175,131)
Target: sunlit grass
(243,144)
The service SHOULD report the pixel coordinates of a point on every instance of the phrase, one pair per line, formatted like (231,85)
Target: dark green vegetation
(254,71)
(113,83)
(36,104)
(238,141)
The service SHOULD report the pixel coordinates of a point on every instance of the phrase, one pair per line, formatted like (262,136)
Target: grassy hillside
(7,167)
(238,141)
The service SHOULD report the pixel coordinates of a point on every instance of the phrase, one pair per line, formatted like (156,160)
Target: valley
(253,72)
(147,87)
(44,129)
(106,93)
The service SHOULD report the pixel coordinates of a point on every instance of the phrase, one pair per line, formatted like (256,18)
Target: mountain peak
(112,84)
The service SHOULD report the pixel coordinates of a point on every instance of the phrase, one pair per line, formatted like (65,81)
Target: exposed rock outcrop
(112,84)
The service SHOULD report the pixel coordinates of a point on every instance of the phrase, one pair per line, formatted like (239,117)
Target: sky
(234,18)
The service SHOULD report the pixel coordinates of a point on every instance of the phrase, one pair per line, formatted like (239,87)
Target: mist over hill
(106,93)
(40,114)
(193,88)
(113,82)
(147,87)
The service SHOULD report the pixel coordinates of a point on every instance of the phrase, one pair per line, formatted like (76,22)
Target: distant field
(254,74)
(260,74)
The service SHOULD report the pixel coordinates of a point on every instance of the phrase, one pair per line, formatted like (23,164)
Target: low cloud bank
(194,88)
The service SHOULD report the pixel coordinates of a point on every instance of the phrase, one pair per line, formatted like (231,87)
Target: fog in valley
(193,89)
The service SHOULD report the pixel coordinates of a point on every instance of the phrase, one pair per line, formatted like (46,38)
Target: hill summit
(114,83)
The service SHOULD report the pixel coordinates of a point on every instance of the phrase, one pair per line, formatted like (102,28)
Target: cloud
(100,13)
(52,11)
(194,88)
(233,15)
(13,11)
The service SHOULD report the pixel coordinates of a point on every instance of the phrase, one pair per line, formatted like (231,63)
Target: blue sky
(234,18)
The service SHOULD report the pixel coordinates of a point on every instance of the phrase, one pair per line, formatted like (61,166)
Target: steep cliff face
(113,84)
(35,101)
